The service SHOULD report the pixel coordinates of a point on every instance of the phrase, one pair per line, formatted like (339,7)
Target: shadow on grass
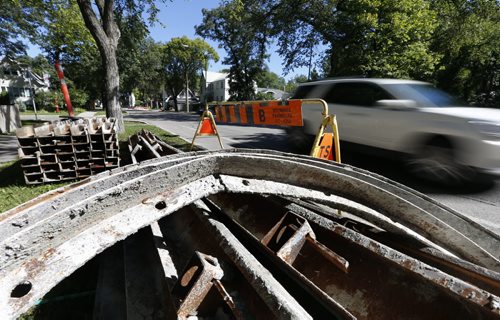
(13,189)
(11,174)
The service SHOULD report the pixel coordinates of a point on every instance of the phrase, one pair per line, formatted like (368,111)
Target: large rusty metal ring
(46,239)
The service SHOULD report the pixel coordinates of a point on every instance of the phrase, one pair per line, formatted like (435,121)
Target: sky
(179,18)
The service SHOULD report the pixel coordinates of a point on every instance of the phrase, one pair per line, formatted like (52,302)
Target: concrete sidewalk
(8,148)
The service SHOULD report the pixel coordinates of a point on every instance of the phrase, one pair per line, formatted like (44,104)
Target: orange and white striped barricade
(281,113)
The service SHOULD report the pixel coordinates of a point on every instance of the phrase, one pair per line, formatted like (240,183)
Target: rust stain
(188,276)
(49,253)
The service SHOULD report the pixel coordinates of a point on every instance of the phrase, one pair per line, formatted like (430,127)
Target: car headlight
(489,129)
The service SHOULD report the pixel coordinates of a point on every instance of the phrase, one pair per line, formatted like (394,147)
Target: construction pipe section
(260,233)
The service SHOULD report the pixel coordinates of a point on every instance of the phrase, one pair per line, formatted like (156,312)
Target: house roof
(277,94)
(215,76)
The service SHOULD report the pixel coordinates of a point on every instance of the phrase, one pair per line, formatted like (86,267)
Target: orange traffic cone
(207,128)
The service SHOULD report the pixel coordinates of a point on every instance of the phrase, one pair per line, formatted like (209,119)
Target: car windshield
(424,94)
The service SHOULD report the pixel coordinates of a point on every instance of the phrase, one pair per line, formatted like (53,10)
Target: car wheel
(436,162)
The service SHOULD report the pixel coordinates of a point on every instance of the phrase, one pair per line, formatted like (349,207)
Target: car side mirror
(396,104)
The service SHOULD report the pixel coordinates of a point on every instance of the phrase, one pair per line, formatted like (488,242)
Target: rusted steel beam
(45,240)
(228,300)
(146,145)
(251,287)
(286,239)
(67,150)
(409,243)
(379,273)
(322,305)
(195,283)
(272,293)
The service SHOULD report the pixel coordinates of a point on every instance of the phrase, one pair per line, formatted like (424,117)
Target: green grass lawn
(63,112)
(14,191)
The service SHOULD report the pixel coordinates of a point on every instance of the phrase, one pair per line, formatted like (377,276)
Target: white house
(15,80)
(215,86)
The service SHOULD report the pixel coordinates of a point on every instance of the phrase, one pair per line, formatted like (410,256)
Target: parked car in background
(194,102)
(440,137)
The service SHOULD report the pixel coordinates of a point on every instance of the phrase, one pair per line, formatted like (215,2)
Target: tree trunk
(112,88)
(106,34)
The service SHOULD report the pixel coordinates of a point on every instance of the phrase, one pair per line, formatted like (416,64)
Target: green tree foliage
(268,79)
(131,48)
(18,18)
(58,29)
(293,83)
(183,57)
(149,78)
(85,73)
(102,20)
(388,38)
(241,28)
(62,34)
(4,98)
(468,37)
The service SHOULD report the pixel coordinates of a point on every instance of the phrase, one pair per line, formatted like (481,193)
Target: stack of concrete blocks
(68,149)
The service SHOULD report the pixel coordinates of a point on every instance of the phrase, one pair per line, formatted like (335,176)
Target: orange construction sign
(274,113)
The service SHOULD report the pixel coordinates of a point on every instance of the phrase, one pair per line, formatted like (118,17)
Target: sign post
(327,145)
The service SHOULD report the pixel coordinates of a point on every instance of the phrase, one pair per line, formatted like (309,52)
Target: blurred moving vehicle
(441,138)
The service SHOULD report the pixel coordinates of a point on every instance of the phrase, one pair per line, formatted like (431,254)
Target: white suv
(442,138)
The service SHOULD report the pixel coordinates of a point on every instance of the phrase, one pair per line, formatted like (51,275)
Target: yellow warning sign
(327,144)
(325,149)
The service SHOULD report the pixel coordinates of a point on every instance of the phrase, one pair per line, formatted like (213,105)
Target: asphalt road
(480,203)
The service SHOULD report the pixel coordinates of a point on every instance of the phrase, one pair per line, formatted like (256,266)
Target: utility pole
(187,92)
(32,93)
(187,82)
(310,62)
